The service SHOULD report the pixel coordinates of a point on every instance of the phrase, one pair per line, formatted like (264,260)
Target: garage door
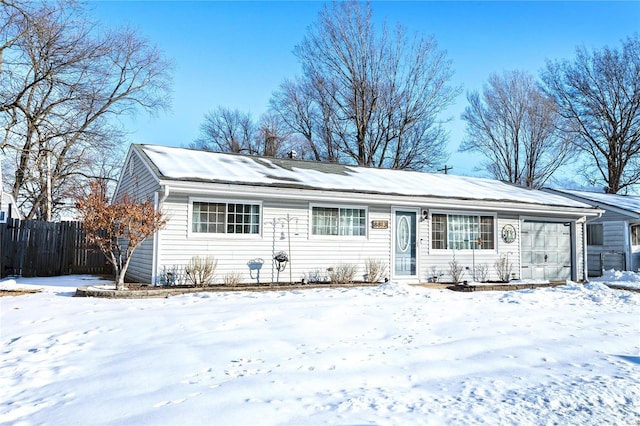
(546,251)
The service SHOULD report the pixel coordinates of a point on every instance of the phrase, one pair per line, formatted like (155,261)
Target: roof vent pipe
(293,154)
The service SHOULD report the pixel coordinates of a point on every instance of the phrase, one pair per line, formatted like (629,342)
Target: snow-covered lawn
(392,354)
(620,278)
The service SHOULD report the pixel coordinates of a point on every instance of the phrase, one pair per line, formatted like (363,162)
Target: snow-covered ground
(391,354)
(619,278)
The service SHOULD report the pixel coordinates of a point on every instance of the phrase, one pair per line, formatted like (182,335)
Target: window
(635,235)
(594,234)
(338,221)
(460,232)
(225,218)
(439,231)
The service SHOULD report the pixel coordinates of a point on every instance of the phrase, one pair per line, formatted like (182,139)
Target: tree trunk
(119,280)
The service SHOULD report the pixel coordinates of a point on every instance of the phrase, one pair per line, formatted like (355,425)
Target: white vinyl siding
(138,182)
(285,227)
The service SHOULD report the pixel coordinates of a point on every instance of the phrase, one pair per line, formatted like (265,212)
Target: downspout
(628,252)
(585,267)
(158,203)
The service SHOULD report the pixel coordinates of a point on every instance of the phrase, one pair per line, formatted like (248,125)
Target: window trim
(226,201)
(463,213)
(339,237)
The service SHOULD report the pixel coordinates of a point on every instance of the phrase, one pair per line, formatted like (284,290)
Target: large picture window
(594,234)
(460,232)
(338,221)
(225,218)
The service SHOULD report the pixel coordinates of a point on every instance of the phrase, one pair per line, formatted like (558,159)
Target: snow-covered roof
(630,203)
(171,163)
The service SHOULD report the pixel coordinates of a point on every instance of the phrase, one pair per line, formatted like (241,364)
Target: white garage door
(546,251)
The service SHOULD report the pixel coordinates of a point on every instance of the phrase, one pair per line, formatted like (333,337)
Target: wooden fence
(31,248)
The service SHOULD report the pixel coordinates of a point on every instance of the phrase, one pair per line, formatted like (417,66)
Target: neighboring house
(613,240)
(8,208)
(245,210)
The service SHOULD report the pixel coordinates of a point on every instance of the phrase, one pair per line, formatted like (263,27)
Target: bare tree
(63,83)
(368,95)
(226,130)
(306,108)
(515,126)
(272,137)
(598,93)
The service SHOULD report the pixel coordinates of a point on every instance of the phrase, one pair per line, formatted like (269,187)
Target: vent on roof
(293,154)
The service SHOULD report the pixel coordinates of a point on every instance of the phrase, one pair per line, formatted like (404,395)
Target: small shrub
(481,272)
(456,271)
(375,270)
(314,276)
(200,271)
(232,279)
(170,276)
(503,268)
(434,274)
(343,273)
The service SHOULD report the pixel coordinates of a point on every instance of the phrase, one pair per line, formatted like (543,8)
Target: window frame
(479,215)
(193,234)
(601,234)
(339,207)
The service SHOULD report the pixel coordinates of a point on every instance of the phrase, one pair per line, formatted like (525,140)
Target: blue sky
(235,54)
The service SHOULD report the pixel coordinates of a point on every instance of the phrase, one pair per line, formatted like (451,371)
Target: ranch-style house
(271,219)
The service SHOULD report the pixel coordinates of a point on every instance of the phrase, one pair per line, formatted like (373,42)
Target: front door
(405,243)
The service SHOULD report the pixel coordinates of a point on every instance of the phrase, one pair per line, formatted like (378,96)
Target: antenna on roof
(446,169)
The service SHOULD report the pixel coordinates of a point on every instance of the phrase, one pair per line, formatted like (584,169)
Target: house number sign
(508,233)
(380,224)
